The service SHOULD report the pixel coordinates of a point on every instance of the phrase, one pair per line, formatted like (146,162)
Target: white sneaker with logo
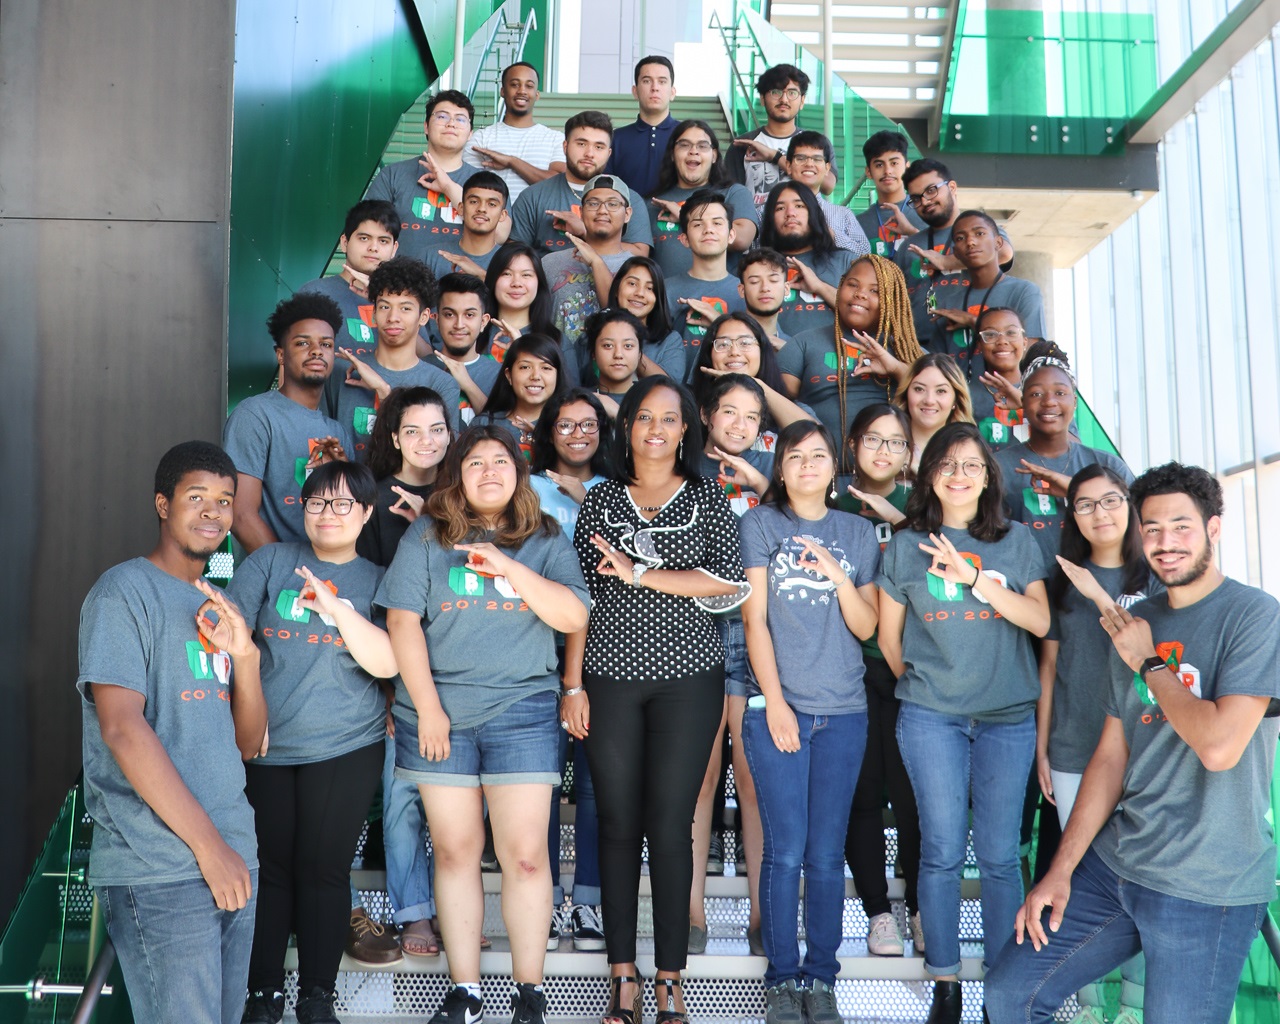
(883,937)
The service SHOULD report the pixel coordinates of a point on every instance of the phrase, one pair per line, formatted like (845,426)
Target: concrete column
(1038,267)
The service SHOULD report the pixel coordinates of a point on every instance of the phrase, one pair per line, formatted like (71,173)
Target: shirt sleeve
(563,566)
(637,229)
(791,358)
(724,561)
(743,204)
(407,582)
(525,216)
(248,587)
(889,568)
(247,441)
(113,649)
(380,187)
(1251,650)
(868,549)
(755,545)
(590,520)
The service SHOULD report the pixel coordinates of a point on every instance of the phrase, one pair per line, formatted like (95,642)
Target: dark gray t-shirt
(486,647)
(1083,669)
(673,255)
(811,357)
(427,218)
(138,631)
(819,661)
(803,311)
(874,222)
(356,408)
(483,371)
(741,498)
(441,266)
(721,295)
(531,224)
(669,354)
(962,657)
(357,333)
(573,295)
(1179,828)
(955,291)
(1042,512)
(270,436)
(919,282)
(320,702)
(1000,424)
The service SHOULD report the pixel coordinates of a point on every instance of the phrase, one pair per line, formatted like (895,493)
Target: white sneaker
(917,932)
(1089,1015)
(1128,1015)
(883,937)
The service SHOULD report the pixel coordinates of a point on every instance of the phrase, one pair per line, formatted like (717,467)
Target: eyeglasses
(703,146)
(970,467)
(873,443)
(612,205)
(742,343)
(992,336)
(1109,501)
(777,94)
(340,506)
(808,158)
(927,194)
(442,119)
(565,428)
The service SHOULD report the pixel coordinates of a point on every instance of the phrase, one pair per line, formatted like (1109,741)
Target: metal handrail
(94,987)
(736,75)
(499,23)
(499,104)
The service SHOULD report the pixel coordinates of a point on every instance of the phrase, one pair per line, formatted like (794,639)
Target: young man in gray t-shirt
(165,734)
(1170,848)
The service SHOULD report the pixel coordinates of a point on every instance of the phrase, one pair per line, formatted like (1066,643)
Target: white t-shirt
(537,145)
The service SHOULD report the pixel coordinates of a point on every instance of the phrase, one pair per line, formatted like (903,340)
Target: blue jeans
(184,960)
(951,760)
(1195,952)
(804,808)
(404,833)
(586,831)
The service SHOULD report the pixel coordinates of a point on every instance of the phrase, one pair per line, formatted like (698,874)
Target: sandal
(667,1013)
(616,1012)
(419,938)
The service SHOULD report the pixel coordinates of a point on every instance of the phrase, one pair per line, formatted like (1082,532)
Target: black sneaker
(528,1005)
(715,855)
(739,855)
(459,1007)
(559,922)
(488,857)
(263,1008)
(588,930)
(316,1008)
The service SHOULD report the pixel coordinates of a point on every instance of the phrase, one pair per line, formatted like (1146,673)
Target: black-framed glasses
(970,467)
(743,342)
(874,442)
(1110,501)
(565,428)
(991,335)
(927,194)
(340,506)
(808,158)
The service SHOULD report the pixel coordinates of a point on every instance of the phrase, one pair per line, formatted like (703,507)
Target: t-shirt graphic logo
(1039,504)
(361,333)
(435,206)
(718,304)
(208,662)
(362,420)
(993,431)
(466,582)
(795,293)
(302,465)
(790,579)
(944,590)
(852,354)
(289,605)
(1171,651)
(994,574)
(666,224)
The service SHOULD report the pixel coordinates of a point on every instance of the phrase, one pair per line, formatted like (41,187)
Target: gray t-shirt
(919,282)
(802,311)
(483,370)
(138,631)
(962,657)
(741,498)
(270,436)
(320,702)
(441,266)
(1042,512)
(486,647)
(669,354)
(357,333)
(721,295)
(427,218)
(573,295)
(356,408)
(875,223)
(673,255)
(811,357)
(819,660)
(1083,669)
(955,291)
(1179,828)
(531,224)
(1000,424)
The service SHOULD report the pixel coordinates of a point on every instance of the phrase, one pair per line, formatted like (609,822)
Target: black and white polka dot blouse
(642,634)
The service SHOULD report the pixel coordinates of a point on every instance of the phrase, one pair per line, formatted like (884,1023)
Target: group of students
(816,481)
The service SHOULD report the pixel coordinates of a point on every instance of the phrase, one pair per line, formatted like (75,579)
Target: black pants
(649,747)
(882,768)
(308,819)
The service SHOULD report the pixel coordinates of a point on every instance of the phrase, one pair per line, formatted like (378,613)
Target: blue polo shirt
(637,153)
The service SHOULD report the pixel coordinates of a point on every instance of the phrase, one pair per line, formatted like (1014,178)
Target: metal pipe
(459,41)
(93,985)
(828,73)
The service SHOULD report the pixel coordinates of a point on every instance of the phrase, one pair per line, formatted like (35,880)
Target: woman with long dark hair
(476,594)
(640,288)
(519,303)
(961,594)
(532,374)
(659,548)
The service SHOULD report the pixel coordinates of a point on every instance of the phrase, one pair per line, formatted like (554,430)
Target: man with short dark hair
(427,190)
(547,213)
(762,277)
(758,158)
(522,151)
(890,218)
(484,208)
(1170,848)
(810,155)
(460,321)
(277,438)
(638,147)
(165,735)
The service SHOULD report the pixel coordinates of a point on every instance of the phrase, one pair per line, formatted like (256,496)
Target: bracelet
(842,582)
(977,575)
(571,692)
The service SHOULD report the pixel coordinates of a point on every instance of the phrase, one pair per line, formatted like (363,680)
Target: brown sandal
(667,1013)
(616,1012)
(425,941)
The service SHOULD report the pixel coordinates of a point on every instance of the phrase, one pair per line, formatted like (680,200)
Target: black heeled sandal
(616,1011)
(667,1013)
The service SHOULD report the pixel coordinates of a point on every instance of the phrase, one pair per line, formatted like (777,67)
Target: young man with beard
(484,206)
(461,319)
(762,277)
(548,212)
(174,861)
(638,147)
(519,149)
(277,438)
(1169,849)
(794,225)
(427,190)
(810,155)
(890,218)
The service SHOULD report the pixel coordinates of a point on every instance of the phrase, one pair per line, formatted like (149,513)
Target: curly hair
(403,275)
(384,458)
(299,307)
(192,457)
(455,520)
(1174,478)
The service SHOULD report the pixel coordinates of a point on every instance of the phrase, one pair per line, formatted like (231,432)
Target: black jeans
(882,767)
(649,746)
(308,820)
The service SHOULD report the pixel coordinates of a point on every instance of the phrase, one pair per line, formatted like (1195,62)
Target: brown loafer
(370,944)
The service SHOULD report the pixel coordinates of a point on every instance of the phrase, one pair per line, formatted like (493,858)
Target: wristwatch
(777,157)
(1151,664)
(638,570)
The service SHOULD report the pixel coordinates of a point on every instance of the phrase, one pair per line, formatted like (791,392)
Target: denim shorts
(733,636)
(519,745)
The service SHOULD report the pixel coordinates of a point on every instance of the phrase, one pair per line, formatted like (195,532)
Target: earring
(680,450)
(833,488)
